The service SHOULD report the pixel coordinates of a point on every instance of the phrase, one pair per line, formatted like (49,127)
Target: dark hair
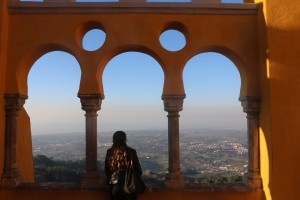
(119,138)
(119,160)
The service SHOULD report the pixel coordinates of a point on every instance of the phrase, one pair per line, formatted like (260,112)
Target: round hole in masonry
(93,39)
(172,40)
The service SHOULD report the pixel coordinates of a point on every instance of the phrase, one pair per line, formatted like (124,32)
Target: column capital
(14,102)
(91,102)
(173,102)
(250,104)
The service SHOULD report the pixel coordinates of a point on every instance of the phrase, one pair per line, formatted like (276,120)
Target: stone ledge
(131,7)
(237,187)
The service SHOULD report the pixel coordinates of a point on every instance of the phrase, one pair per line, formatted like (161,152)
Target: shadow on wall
(284,73)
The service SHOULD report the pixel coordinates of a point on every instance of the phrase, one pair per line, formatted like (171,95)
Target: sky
(133,102)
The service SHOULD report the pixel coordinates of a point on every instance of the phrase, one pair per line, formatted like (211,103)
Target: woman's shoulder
(131,149)
(110,150)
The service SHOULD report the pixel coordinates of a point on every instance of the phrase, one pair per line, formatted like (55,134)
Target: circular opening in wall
(93,39)
(172,40)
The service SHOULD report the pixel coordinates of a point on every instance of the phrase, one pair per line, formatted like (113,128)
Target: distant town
(206,155)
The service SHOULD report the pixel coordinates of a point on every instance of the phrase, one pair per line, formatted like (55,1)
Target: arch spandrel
(22,63)
(173,84)
(136,32)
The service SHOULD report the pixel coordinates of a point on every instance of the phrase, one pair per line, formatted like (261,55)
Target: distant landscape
(207,156)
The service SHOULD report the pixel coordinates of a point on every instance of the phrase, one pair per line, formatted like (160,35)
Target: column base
(91,180)
(254,182)
(174,181)
(11,178)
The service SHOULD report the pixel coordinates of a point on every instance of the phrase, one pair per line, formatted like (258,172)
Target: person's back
(118,158)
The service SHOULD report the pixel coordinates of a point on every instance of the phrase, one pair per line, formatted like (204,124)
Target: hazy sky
(133,84)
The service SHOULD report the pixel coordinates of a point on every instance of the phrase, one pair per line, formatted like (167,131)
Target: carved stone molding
(14,102)
(174,181)
(91,102)
(133,6)
(173,103)
(251,106)
(13,105)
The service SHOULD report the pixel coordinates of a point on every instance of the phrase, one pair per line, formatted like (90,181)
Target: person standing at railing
(119,158)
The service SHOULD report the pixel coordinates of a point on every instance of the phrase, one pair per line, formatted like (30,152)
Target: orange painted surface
(96,195)
(24,156)
(33,35)
(3,42)
(265,130)
(284,46)
(223,33)
(244,39)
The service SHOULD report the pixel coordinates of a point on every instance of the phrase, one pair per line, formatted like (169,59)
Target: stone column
(173,104)
(251,107)
(13,105)
(91,103)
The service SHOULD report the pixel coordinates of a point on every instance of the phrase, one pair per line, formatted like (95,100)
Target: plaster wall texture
(265,131)
(283,26)
(223,33)
(277,50)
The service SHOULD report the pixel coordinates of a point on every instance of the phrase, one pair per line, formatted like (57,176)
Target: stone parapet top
(222,187)
(16,7)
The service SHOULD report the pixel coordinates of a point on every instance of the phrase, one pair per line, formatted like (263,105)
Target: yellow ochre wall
(279,42)
(265,131)
(283,71)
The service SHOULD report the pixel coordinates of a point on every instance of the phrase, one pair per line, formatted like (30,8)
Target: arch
(134,105)
(147,61)
(53,106)
(123,49)
(235,58)
(211,115)
(54,80)
(31,57)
